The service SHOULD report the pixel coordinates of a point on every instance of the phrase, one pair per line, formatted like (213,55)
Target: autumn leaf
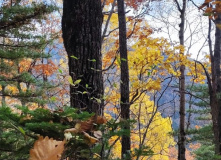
(60,40)
(197,127)
(89,139)
(71,130)
(101,120)
(98,134)
(87,125)
(47,149)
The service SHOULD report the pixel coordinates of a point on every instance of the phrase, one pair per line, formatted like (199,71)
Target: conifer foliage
(21,48)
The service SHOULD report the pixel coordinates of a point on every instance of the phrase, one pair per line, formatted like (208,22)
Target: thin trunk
(3,96)
(81,26)
(124,85)
(181,137)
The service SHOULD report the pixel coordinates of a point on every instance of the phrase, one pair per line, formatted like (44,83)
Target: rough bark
(124,86)
(181,136)
(216,94)
(81,27)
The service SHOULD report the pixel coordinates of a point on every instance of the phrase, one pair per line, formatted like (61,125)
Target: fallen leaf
(47,149)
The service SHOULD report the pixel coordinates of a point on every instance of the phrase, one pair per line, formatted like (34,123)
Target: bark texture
(181,136)
(124,86)
(215,94)
(81,27)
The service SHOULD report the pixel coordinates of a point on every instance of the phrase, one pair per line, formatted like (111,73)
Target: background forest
(110,79)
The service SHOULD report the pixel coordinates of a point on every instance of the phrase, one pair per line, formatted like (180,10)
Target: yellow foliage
(155,135)
(24,65)
(150,61)
(12,89)
(116,150)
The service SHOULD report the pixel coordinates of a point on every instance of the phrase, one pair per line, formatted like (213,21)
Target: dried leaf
(89,139)
(47,149)
(95,155)
(72,130)
(101,120)
(98,134)
(77,126)
(87,125)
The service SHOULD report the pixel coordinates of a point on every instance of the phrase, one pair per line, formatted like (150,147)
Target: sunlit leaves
(46,69)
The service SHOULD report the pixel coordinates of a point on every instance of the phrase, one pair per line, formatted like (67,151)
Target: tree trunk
(81,26)
(124,85)
(181,136)
(216,97)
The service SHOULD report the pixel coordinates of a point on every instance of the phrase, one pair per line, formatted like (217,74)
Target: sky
(165,18)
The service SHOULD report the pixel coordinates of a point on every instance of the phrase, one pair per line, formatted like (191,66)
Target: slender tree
(81,27)
(124,86)
(181,136)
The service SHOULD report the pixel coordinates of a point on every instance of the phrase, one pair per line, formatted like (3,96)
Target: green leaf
(77,81)
(85,92)
(53,99)
(60,71)
(74,57)
(207,14)
(118,61)
(123,59)
(98,100)
(21,130)
(70,80)
(92,60)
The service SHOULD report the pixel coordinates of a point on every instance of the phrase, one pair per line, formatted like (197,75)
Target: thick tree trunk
(216,96)
(124,85)
(81,26)
(181,136)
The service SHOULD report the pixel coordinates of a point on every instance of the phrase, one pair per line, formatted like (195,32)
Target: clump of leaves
(83,136)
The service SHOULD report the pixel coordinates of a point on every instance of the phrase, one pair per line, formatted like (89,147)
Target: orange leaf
(60,40)
(197,127)
(101,120)
(87,125)
(47,149)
